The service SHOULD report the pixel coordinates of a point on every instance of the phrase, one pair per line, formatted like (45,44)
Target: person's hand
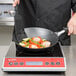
(16,2)
(72,25)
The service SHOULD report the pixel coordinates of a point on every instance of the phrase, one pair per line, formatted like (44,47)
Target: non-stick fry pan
(49,35)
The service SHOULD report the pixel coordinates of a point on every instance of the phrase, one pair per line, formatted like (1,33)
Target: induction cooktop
(18,60)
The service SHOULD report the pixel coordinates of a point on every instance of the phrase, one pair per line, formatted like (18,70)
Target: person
(50,14)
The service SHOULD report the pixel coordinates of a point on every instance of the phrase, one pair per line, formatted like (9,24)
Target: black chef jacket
(50,14)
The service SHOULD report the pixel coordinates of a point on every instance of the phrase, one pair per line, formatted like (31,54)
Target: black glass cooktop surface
(56,51)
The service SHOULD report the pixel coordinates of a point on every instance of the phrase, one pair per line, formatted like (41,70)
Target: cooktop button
(57,63)
(10,63)
(46,63)
(52,63)
(15,63)
(21,63)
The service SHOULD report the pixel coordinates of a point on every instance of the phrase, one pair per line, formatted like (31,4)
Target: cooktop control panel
(34,62)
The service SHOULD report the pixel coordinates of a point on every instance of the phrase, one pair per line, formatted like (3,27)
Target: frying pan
(49,35)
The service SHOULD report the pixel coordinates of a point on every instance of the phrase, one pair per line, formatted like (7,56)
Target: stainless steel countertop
(70,54)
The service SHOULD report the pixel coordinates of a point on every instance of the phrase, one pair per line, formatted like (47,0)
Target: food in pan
(35,43)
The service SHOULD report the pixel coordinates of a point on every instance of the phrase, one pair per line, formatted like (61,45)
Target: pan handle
(65,30)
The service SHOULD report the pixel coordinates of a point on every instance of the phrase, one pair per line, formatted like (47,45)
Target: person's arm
(72,25)
(16,2)
(72,22)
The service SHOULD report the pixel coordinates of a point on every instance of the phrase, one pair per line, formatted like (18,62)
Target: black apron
(50,14)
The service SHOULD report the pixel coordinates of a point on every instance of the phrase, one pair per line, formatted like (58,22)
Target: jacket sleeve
(73,5)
